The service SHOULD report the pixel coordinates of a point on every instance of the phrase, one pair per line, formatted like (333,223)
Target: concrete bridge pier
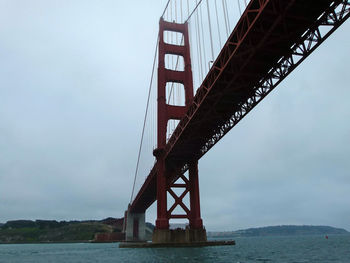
(179,236)
(134,226)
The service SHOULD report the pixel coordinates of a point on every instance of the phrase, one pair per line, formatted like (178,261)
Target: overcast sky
(73,84)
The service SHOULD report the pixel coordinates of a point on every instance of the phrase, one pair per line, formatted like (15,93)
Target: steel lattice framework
(270,40)
(334,16)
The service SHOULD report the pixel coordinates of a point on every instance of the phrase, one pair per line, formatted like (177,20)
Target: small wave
(263,259)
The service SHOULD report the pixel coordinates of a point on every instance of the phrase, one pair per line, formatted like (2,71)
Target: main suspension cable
(166,7)
(193,11)
(144,120)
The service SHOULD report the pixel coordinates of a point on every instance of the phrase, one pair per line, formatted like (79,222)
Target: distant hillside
(288,230)
(27,231)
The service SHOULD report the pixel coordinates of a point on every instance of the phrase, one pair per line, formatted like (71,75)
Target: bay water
(296,249)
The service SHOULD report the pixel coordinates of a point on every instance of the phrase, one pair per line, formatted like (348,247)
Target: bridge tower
(195,232)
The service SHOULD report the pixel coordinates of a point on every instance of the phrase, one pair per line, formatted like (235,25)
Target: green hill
(288,230)
(27,231)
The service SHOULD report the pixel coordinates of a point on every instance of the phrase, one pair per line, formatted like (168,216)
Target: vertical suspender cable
(174,95)
(168,62)
(175,12)
(167,40)
(239,8)
(172,67)
(188,8)
(154,96)
(228,17)
(217,22)
(189,28)
(176,66)
(173,121)
(203,41)
(171,11)
(223,9)
(154,120)
(188,18)
(182,18)
(199,46)
(176,84)
(198,61)
(171,35)
(211,35)
(191,48)
(171,95)
(144,120)
(151,118)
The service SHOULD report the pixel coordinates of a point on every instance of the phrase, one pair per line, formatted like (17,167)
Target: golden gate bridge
(233,54)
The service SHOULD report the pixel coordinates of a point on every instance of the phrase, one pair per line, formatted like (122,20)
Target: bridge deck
(264,35)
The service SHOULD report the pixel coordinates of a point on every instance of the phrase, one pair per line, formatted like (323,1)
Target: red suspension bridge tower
(167,112)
